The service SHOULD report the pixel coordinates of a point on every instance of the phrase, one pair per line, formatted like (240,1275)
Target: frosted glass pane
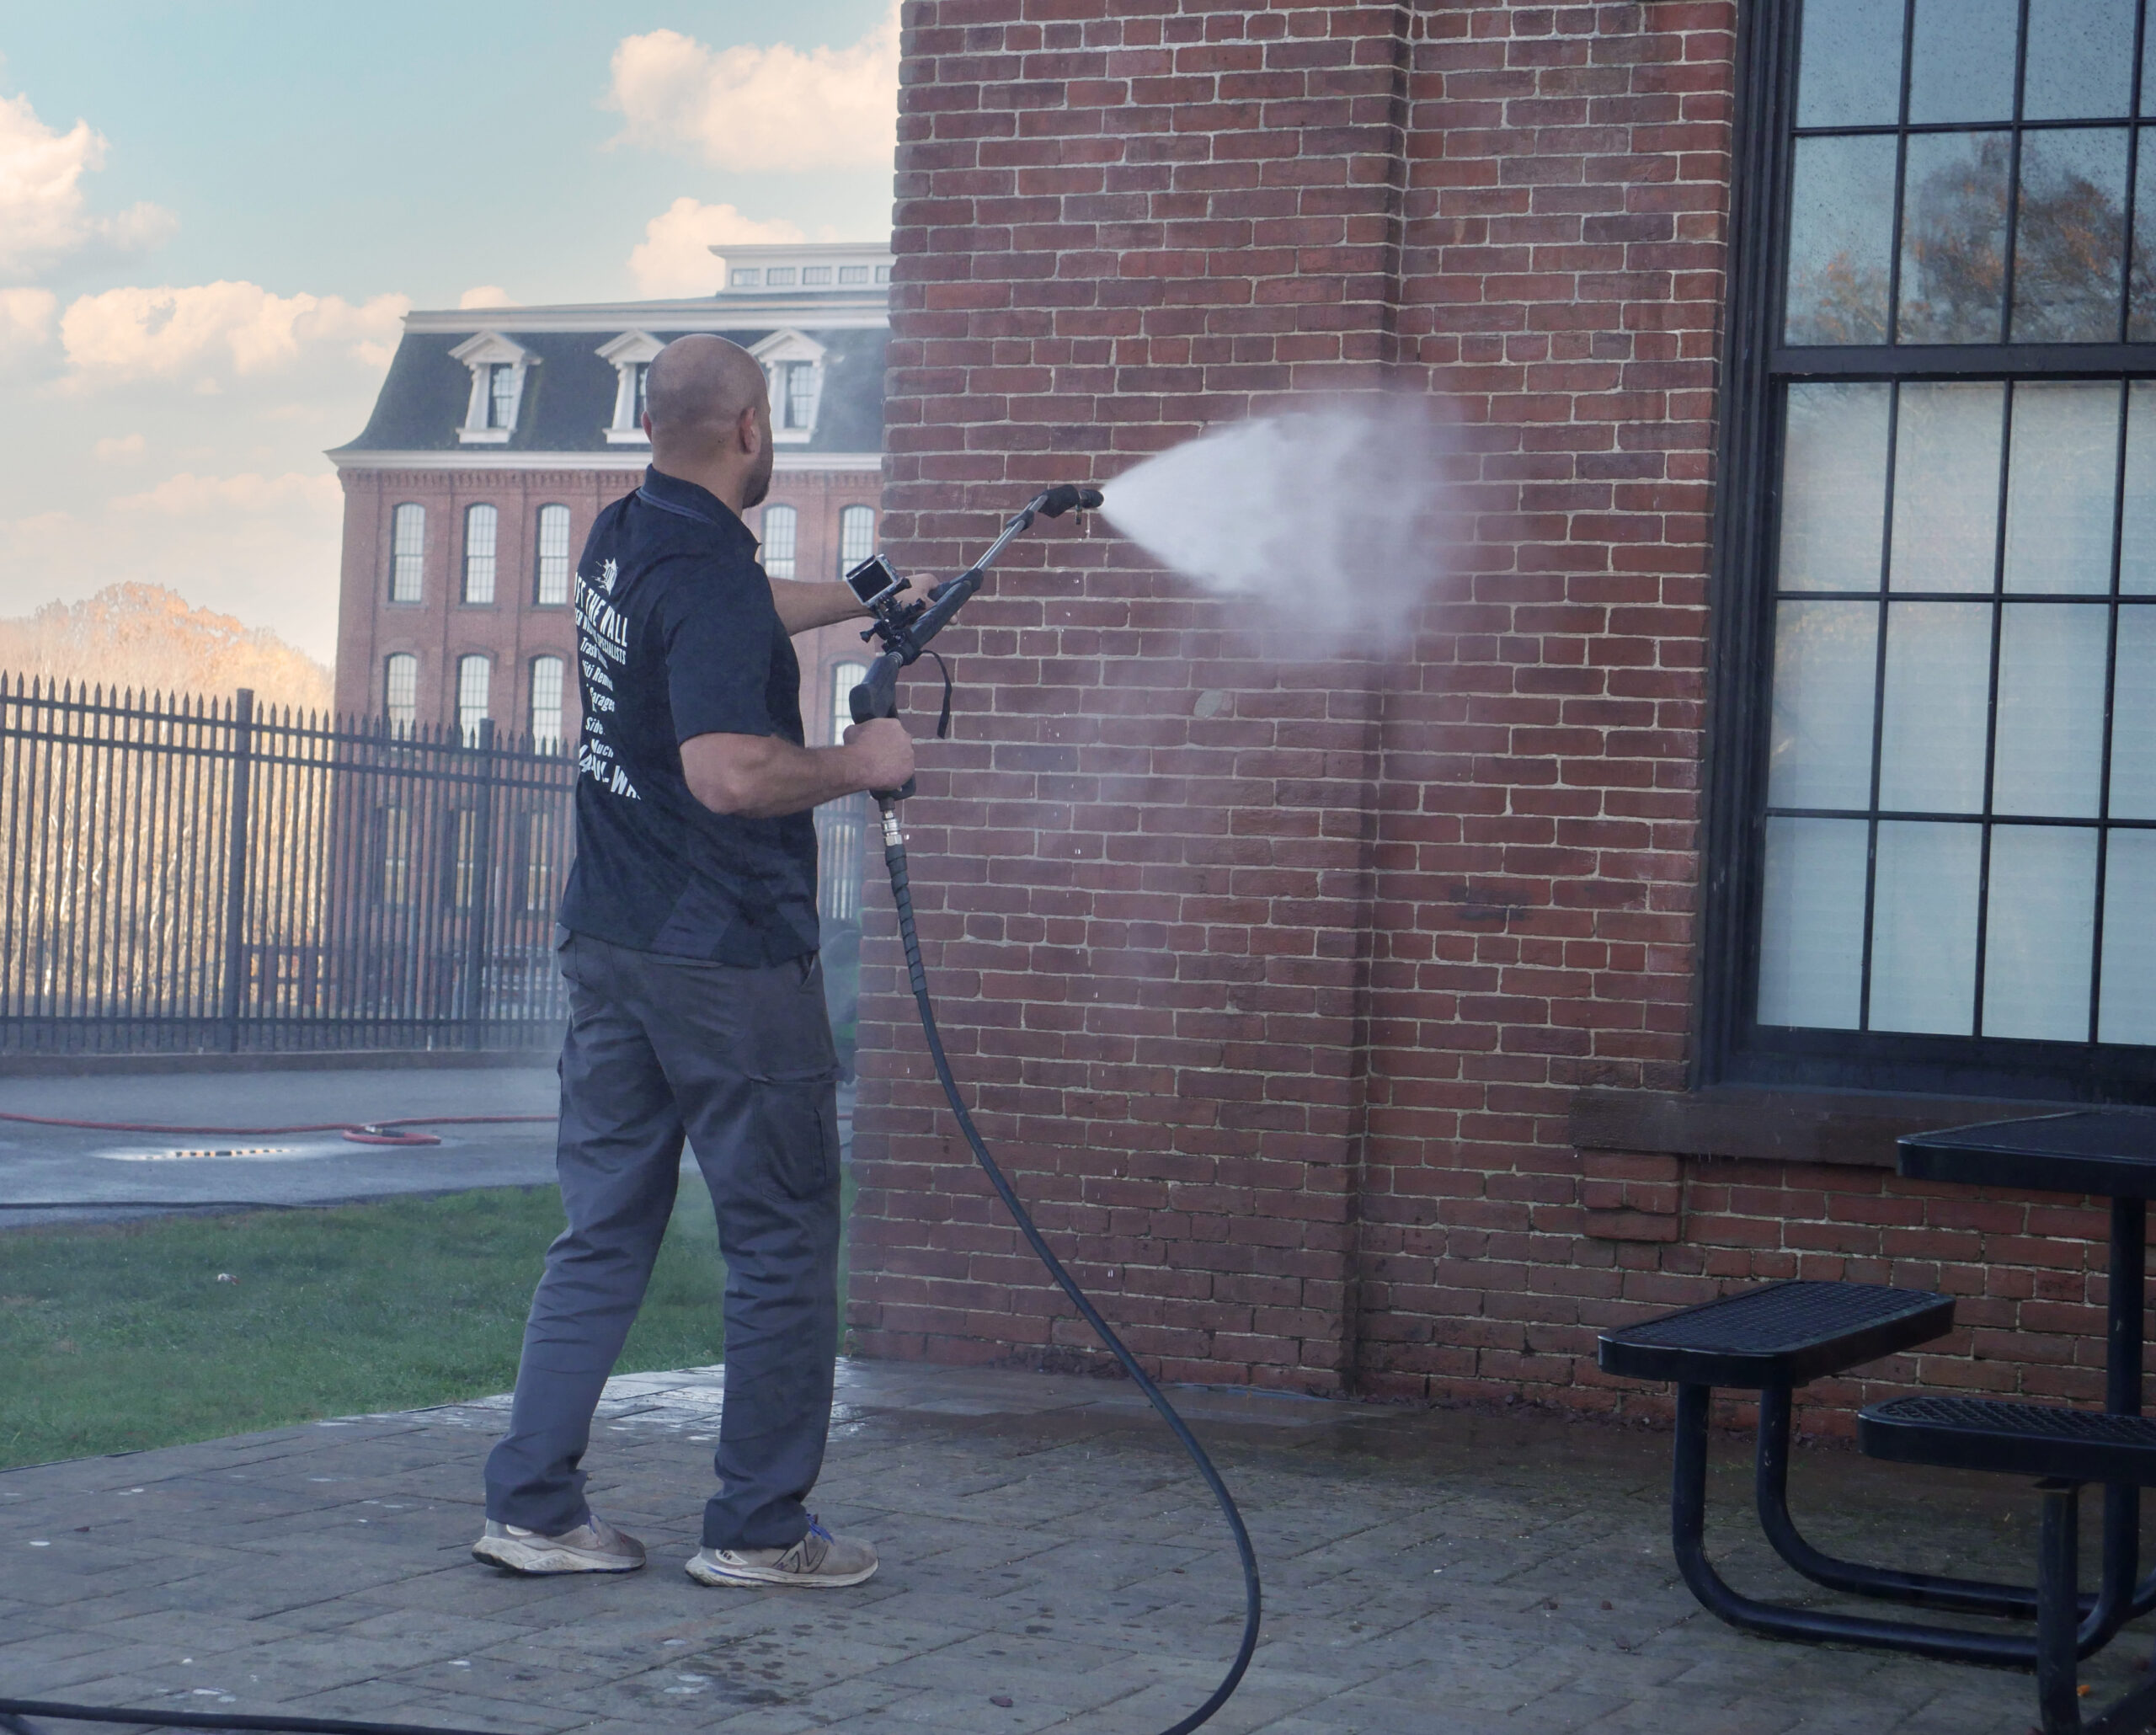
(1931,758)
(1924,927)
(1812,923)
(2062,482)
(2128,1010)
(1835,487)
(2133,716)
(1819,746)
(2080,60)
(1954,237)
(1849,69)
(2069,238)
(2047,757)
(2041,932)
(1961,60)
(2137,530)
(1946,449)
(1840,240)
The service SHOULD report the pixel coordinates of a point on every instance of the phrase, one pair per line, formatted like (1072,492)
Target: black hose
(14,1710)
(895,859)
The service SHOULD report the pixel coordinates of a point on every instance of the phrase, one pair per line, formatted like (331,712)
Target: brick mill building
(500,432)
(1776,777)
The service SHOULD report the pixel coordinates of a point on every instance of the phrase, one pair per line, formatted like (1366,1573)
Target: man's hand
(883,752)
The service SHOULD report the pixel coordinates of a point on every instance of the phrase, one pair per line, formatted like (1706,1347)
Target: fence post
(235,860)
(477,935)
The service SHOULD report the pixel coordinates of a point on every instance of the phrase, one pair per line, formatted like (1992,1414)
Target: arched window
(481,523)
(400,692)
(553,586)
(781,525)
(546,703)
(845,678)
(474,675)
(408,550)
(857,536)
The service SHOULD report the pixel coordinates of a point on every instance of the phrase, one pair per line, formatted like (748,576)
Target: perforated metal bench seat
(1782,1334)
(2012,1438)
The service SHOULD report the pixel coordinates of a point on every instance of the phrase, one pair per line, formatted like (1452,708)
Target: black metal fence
(191,874)
(186,874)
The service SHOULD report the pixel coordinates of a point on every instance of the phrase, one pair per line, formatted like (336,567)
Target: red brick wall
(1276,986)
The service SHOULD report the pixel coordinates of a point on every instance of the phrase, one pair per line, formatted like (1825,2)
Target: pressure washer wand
(905,636)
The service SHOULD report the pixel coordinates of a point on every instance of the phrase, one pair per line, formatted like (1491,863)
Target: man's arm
(803,606)
(761,777)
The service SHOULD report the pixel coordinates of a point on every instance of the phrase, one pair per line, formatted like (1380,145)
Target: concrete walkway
(97,1170)
(1048,1562)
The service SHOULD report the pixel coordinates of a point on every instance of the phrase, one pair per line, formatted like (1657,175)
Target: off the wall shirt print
(602,638)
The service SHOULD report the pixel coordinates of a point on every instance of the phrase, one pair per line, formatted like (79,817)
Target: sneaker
(595,1547)
(818,1561)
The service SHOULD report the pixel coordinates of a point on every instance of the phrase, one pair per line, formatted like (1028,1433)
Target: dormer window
(630,355)
(499,367)
(794,365)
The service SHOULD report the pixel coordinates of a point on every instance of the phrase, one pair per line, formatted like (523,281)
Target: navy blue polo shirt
(676,637)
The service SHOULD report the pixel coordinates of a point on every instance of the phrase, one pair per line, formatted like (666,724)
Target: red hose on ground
(359,1132)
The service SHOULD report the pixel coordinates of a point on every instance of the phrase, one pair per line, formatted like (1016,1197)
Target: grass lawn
(114,1339)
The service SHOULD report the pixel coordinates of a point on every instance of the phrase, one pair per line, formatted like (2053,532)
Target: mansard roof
(569,389)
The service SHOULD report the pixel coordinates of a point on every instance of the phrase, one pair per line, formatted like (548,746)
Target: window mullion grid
(2111,686)
(2013,178)
(1991,695)
(1878,706)
(2132,179)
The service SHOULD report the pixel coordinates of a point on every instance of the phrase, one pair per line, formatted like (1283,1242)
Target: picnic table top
(2107,1151)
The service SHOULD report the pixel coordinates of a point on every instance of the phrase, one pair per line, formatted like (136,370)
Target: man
(695,999)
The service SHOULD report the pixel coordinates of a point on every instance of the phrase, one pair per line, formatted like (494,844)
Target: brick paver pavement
(1042,1542)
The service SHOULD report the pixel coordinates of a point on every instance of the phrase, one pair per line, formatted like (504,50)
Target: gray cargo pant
(741,1059)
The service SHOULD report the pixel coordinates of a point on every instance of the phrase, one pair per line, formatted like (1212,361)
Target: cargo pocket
(798,1122)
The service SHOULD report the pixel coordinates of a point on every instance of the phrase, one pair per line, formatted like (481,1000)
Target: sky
(215,213)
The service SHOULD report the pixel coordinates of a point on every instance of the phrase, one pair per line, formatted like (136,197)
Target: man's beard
(759,483)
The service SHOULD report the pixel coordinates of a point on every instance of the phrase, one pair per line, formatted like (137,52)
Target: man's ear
(646,419)
(749,429)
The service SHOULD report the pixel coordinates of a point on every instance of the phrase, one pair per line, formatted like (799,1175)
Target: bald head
(708,407)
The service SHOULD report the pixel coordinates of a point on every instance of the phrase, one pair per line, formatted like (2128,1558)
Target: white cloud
(41,214)
(125,335)
(118,445)
(486,295)
(762,109)
(674,257)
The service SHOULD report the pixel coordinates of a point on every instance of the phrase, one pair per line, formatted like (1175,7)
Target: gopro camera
(875,581)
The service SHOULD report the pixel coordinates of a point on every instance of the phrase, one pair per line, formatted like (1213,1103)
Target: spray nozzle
(1057,501)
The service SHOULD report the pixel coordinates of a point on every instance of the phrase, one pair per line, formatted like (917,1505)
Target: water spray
(905,629)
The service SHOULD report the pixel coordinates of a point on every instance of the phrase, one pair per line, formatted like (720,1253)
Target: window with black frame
(1952,806)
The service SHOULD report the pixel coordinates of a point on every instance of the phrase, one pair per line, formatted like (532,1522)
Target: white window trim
(781,347)
(482,354)
(624,353)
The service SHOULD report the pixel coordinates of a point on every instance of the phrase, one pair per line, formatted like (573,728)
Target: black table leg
(2058,1698)
(1926,1590)
(1687,1515)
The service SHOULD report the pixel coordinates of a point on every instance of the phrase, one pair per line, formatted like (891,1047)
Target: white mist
(1331,521)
